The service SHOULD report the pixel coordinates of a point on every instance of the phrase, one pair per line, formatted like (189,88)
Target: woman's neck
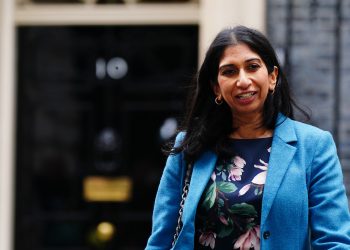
(250,129)
(245,133)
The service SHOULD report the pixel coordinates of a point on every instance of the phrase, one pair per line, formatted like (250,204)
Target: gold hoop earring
(218,100)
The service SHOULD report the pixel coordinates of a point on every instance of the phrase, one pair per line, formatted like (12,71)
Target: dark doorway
(94,106)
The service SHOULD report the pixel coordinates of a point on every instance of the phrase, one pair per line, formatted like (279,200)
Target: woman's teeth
(247,95)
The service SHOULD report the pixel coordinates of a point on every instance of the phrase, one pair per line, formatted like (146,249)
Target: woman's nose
(243,80)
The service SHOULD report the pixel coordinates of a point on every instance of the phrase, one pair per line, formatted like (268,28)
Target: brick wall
(312,38)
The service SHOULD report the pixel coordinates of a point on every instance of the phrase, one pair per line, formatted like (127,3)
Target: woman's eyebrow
(246,61)
(253,59)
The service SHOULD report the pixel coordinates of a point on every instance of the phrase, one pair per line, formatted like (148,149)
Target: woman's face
(243,81)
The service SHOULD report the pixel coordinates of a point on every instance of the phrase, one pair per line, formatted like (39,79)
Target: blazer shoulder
(307,135)
(304,130)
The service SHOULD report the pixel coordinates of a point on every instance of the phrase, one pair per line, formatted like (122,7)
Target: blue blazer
(304,202)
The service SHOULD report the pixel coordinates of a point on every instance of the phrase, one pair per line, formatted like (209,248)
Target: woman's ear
(273,78)
(216,89)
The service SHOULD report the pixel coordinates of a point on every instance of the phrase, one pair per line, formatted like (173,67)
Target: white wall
(6,122)
(218,14)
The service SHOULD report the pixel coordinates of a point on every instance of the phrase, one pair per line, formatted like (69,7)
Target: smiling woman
(244,82)
(260,180)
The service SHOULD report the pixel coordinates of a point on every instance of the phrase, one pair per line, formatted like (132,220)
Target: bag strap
(182,203)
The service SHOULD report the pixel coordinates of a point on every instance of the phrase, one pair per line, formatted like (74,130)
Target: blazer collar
(282,153)
(284,129)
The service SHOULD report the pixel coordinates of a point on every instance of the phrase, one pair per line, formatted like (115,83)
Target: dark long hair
(208,125)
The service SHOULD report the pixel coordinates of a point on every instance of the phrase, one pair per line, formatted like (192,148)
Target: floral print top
(228,214)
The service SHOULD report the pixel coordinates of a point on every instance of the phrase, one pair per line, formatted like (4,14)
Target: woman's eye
(253,67)
(228,72)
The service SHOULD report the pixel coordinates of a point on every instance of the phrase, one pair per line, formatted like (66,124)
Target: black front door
(95,104)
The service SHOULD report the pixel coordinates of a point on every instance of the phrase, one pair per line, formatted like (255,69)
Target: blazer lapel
(282,153)
(202,170)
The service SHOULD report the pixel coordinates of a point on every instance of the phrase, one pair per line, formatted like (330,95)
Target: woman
(260,180)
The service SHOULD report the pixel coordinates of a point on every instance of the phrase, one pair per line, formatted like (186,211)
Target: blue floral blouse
(228,215)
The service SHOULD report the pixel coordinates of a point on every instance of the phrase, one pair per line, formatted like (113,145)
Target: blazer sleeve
(167,203)
(328,205)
